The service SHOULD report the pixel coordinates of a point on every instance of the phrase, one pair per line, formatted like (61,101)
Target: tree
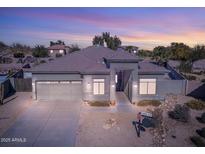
(111,42)
(160,53)
(131,48)
(117,42)
(198,52)
(40,51)
(18,55)
(58,42)
(74,47)
(144,53)
(106,36)
(98,40)
(180,51)
(17,47)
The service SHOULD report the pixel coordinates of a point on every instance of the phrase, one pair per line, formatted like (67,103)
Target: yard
(64,124)
(95,128)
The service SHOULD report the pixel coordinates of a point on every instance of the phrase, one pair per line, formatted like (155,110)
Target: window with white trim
(61,51)
(147,87)
(98,86)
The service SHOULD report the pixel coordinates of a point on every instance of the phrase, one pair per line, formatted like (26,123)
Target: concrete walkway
(123,104)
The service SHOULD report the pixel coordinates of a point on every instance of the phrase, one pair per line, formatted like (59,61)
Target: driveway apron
(45,124)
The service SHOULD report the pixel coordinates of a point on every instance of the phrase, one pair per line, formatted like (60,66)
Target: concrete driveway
(45,124)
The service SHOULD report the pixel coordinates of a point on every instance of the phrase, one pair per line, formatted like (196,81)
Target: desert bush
(201,132)
(149,103)
(189,77)
(202,118)
(180,113)
(19,55)
(196,104)
(203,80)
(40,51)
(197,141)
(42,61)
(50,59)
(99,103)
(58,55)
(157,117)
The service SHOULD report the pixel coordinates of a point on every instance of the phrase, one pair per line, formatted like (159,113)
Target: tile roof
(57,47)
(149,67)
(87,60)
(199,64)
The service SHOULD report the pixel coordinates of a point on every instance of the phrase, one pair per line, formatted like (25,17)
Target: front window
(98,86)
(61,51)
(147,86)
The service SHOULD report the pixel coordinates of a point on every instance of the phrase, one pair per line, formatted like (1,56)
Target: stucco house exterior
(198,66)
(96,73)
(58,48)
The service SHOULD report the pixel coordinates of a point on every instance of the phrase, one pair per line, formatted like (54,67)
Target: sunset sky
(143,27)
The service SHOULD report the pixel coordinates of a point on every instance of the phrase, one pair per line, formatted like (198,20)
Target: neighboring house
(61,49)
(96,73)
(198,66)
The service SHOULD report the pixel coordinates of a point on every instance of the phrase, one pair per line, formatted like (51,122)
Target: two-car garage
(59,90)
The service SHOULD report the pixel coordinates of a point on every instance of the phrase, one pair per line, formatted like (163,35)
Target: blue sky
(143,27)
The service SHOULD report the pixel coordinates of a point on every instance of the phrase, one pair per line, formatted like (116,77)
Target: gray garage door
(59,90)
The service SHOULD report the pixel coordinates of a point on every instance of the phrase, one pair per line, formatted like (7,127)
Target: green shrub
(99,103)
(201,132)
(149,103)
(196,104)
(58,55)
(40,51)
(197,141)
(180,113)
(18,55)
(202,118)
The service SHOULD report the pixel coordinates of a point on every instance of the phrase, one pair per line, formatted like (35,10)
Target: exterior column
(34,90)
(112,86)
(135,86)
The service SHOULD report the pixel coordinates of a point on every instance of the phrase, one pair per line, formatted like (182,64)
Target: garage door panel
(59,91)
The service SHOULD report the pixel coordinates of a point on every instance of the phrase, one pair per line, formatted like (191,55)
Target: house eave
(122,60)
(152,73)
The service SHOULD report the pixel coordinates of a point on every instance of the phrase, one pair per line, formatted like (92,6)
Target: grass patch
(197,141)
(196,104)
(149,103)
(99,103)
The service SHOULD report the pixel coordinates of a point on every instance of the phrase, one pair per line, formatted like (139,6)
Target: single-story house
(58,48)
(198,66)
(96,73)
